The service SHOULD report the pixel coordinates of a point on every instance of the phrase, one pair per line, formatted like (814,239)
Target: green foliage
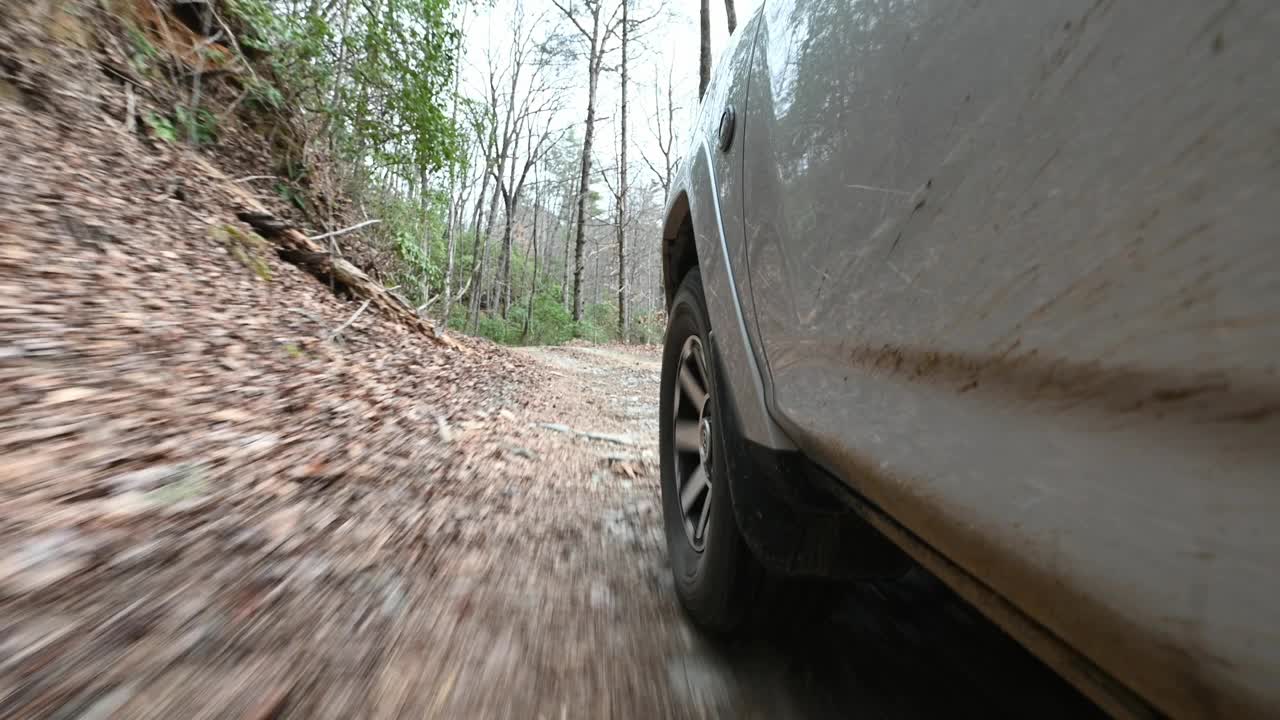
(552,324)
(257,14)
(213,55)
(144,53)
(499,330)
(291,195)
(161,127)
(414,234)
(262,94)
(381,74)
(201,125)
(377,76)
(599,323)
(648,328)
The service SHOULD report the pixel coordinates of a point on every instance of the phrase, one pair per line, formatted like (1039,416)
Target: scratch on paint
(873,188)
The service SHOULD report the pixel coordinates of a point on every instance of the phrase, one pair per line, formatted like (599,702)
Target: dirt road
(567,609)
(497,556)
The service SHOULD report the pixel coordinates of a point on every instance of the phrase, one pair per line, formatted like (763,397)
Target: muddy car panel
(1012,272)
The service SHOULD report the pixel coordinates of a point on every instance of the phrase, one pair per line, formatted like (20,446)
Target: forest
(506,164)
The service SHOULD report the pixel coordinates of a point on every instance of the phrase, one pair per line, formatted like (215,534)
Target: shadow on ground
(903,649)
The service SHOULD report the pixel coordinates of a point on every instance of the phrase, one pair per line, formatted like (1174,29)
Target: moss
(248,248)
(68,27)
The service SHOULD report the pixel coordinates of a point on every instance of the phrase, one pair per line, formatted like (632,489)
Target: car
(991,288)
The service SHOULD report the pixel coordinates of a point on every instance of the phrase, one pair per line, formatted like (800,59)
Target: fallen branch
(126,77)
(290,241)
(403,300)
(343,231)
(247,178)
(307,315)
(309,255)
(350,320)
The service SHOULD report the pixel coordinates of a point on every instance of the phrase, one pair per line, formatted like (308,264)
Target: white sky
(671,40)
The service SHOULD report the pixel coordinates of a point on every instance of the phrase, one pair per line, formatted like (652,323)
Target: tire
(717,579)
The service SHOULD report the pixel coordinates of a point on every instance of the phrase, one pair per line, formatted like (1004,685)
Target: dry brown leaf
(70,394)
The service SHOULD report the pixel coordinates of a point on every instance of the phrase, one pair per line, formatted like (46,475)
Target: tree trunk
(497,272)
(475,249)
(455,210)
(731,13)
(504,287)
(564,281)
(622,193)
(671,139)
(596,277)
(425,241)
(552,232)
(533,282)
(704,49)
(455,207)
(584,186)
(477,292)
(512,199)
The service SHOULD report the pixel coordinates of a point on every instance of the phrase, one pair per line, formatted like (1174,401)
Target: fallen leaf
(231,415)
(70,394)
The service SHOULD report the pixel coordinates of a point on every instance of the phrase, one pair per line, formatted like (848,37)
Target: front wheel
(716,576)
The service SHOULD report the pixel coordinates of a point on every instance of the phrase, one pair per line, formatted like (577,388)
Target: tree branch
(568,13)
(344,231)
(350,320)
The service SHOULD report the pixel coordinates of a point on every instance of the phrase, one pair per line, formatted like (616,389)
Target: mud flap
(791,522)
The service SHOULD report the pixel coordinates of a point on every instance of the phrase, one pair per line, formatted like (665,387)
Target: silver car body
(1011,270)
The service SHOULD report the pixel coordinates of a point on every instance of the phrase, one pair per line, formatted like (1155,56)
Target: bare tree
(665,137)
(456,199)
(732,14)
(623,320)
(564,282)
(533,279)
(595,31)
(506,95)
(457,208)
(485,124)
(704,49)
(511,191)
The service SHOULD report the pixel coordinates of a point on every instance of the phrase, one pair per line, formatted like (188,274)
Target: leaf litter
(212,507)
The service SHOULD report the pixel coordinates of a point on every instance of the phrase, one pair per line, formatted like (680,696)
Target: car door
(1016,279)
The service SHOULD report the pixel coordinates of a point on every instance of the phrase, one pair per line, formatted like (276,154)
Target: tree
(456,198)
(511,191)
(485,126)
(594,31)
(533,278)
(664,137)
(704,49)
(370,84)
(505,95)
(623,319)
(732,14)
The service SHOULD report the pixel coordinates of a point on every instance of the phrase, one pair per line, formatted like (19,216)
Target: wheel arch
(679,250)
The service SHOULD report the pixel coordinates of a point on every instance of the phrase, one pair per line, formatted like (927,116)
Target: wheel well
(679,251)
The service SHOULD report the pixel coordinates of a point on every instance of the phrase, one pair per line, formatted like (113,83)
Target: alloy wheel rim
(693,441)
